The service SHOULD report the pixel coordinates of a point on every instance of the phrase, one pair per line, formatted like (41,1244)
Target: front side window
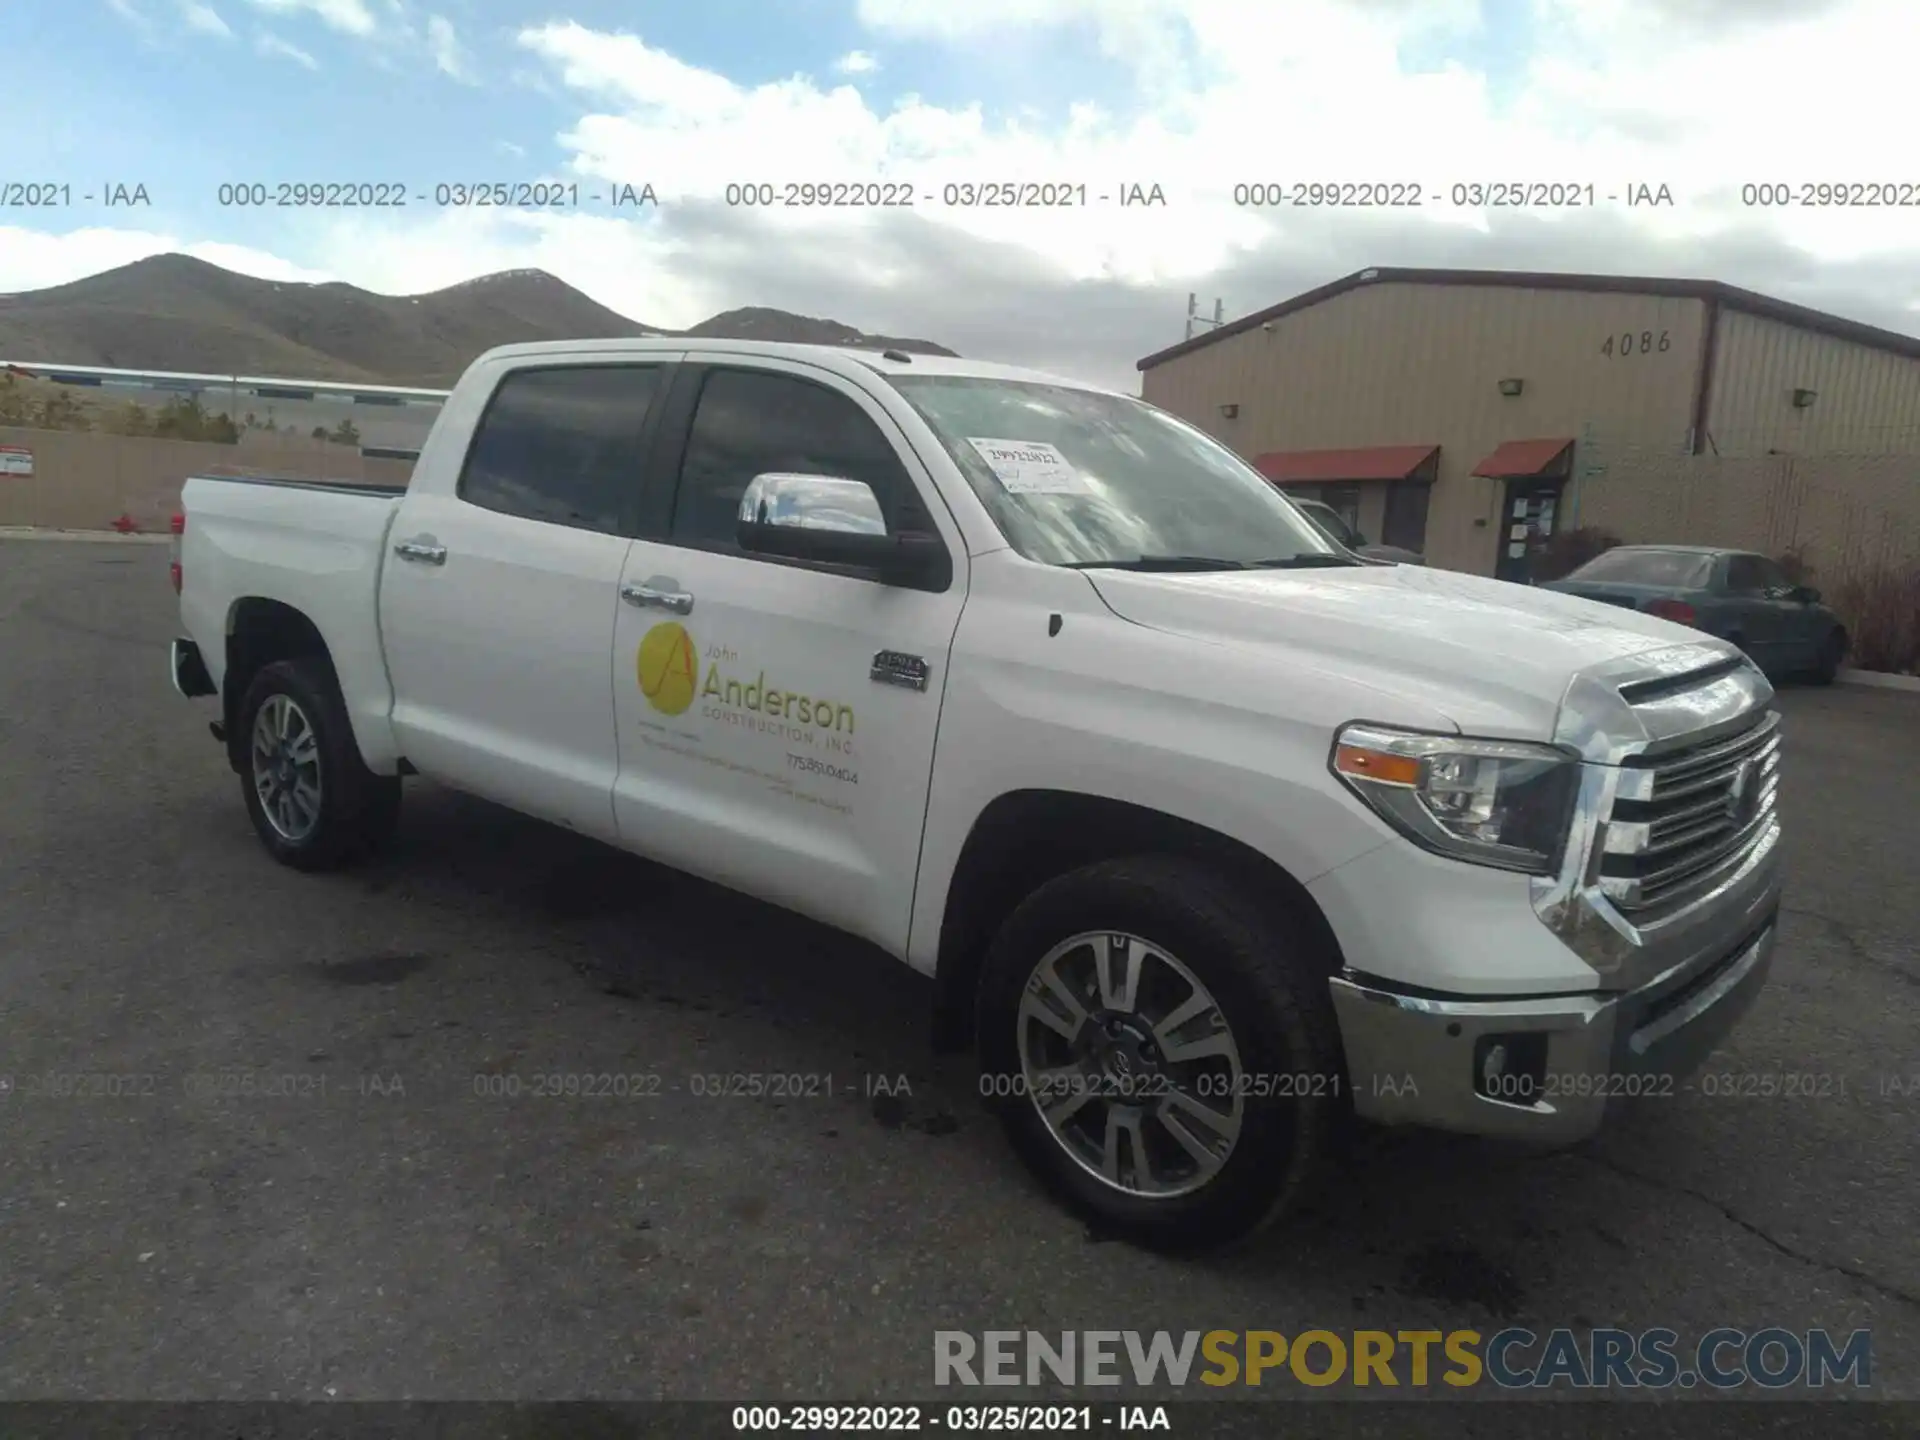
(1078,477)
(562,445)
(751,422)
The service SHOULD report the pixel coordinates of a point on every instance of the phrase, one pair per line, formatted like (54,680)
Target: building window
(1342,499)
(1405,523)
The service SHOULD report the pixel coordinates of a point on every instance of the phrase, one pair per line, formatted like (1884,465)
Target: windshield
(1678,569)
(1077,477)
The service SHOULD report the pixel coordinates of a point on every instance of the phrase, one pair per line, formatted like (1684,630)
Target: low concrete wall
(86,481)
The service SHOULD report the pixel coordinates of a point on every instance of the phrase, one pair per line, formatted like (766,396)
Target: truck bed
(306,544)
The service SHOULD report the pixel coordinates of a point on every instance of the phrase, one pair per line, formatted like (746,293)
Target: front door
(1527,520)
(776,720)
(497,609)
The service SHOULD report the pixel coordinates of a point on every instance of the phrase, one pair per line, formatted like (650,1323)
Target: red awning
(1373,462)
(1519,459)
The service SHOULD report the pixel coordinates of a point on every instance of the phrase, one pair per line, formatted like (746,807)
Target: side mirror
(1805,594)
(830,520)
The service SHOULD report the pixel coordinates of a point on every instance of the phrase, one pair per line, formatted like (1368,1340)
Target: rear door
(497,607)
(777,719)
(1754,614)
(1796,625)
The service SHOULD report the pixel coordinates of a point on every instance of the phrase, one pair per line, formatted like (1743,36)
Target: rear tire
(312,799)
(1833,652)
(1253,991)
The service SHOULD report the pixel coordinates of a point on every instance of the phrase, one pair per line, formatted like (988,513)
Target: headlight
(1492,802)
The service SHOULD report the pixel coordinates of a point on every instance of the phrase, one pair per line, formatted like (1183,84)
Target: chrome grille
(1684,819)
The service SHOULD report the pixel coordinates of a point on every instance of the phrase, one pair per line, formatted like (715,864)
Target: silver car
(1336,528)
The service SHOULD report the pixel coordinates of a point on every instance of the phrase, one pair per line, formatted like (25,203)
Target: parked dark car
(1733,594)
(1335,527)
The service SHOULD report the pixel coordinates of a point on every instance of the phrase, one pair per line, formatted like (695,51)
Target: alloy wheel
(1131,1064)
(286,768)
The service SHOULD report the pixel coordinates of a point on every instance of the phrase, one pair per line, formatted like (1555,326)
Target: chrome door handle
(650,597)
(420,550)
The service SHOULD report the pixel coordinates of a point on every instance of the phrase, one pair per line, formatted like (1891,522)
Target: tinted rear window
(1674,568)
(562,445)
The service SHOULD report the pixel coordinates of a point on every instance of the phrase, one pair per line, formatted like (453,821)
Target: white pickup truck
(1209,835)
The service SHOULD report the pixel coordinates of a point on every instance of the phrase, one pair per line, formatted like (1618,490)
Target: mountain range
(173,312)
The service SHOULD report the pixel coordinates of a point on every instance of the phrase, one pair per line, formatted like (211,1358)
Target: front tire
(1162,1050)
(312,800)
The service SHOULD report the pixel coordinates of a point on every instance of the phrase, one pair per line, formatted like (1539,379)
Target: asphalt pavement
(398,1222)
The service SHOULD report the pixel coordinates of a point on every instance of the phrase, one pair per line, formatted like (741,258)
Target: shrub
(131,418)
(185,418)
(1567,550)
(1881,610)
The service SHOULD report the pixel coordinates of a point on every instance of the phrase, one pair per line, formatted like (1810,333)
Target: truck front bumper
(1546,1068)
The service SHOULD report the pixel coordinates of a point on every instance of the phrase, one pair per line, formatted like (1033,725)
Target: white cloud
(351,16)
(449,56)
(131,13)
(857,62)
(934,20)
(273,45)
(203,18)
(1685,93)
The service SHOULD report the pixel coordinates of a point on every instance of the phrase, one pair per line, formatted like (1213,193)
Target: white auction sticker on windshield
(1029,467)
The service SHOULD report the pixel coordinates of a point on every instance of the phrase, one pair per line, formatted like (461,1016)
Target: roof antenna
(900,355)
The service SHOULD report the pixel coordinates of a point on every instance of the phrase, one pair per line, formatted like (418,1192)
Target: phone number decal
(953,1420)
(317,194)
(814,1418)
(1834,195)
(1330,194)
(833,195)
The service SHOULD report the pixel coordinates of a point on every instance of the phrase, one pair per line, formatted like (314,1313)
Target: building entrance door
(1526,524)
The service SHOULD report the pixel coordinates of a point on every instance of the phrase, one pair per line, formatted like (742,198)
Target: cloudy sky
(1704,97)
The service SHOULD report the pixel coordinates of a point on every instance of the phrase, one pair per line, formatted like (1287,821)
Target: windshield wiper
(1159,562)
(1314,561)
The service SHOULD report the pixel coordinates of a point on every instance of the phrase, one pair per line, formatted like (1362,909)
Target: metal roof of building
(1712,291)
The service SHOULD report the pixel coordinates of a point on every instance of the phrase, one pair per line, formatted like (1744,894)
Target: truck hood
(1494,657)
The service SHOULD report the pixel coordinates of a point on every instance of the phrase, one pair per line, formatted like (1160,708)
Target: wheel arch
(1025,838)
(261,631)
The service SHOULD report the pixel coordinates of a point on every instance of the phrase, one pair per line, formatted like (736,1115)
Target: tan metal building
(1447,411)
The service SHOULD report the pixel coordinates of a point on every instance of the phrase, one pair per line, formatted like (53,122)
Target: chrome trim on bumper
(1410,1059)
(189,671)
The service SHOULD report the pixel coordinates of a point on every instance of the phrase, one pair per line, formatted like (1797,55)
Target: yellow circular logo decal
(668,667)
